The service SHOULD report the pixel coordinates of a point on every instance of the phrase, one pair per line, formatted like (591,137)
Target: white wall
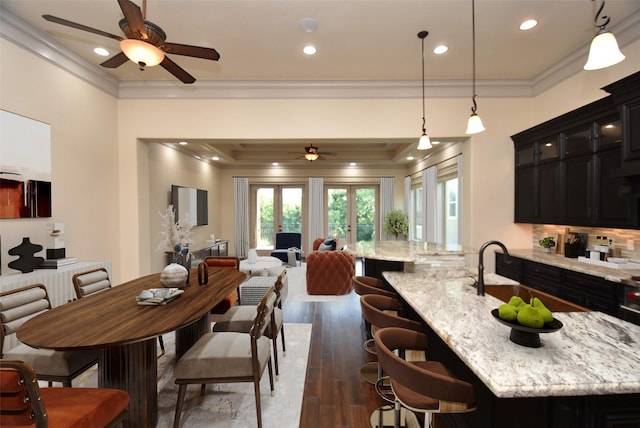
(84,155)
(101,167)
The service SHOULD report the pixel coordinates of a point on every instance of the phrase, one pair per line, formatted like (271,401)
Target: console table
(219,248)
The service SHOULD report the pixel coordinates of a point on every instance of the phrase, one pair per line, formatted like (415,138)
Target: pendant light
(604,51)
(424,143)
(474,125)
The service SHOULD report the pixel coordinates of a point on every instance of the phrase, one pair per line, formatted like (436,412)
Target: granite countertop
(574,361)
(610,274)
(404,251)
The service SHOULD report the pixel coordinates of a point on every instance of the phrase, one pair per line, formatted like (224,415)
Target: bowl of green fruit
(527,320)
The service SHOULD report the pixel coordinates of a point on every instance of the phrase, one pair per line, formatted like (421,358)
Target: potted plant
(547,243)
(396,223)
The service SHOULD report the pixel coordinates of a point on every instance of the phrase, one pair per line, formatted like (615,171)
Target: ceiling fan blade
(77,26)
(188,50)
(115,61)
(135,20)
(177,71)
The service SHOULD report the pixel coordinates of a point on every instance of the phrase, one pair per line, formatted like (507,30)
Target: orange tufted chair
(224,262)
(329,272)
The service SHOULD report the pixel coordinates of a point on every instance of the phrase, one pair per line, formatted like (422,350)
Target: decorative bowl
(527,336)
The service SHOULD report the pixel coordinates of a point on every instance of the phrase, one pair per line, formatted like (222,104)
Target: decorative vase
(253,256)
(174,275)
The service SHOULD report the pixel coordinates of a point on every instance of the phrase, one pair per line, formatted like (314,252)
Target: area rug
(297,277)
(233,405)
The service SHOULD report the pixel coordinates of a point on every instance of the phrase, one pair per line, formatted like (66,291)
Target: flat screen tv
(190,202)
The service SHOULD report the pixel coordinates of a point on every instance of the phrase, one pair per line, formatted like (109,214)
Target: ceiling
(357,40)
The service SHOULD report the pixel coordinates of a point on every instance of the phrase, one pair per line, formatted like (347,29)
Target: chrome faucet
(481,265)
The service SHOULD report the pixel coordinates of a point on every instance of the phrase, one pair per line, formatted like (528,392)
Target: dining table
(125,333)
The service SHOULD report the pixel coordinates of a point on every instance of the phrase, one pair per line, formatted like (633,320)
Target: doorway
(274,208)
(351,212)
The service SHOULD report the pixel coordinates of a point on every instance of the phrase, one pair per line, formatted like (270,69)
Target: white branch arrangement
(174,233)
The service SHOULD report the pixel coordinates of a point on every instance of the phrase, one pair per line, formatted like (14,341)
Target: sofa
(329,272)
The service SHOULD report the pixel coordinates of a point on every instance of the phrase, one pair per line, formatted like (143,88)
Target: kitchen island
(587,374)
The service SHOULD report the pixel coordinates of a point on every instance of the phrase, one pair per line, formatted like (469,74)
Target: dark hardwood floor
(334,394)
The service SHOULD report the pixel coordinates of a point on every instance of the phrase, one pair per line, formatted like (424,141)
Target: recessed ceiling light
(183,143)
(435,142)
(215,158)
(309,50)
(101,51)
(353,164)
(409,157)
(439,50)
(275,163)
(528,24)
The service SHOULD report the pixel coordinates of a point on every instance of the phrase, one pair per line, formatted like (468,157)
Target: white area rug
(297,277)
(233,404)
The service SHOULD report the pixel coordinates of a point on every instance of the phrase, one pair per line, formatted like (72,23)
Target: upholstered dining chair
(369,285)
(229,357)
(421,386)
(224,262)
(94,281)
(17,307)
(240,319)
(25,404)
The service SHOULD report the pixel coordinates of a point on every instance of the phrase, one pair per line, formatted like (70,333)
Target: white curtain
(407,207)
(316,207)
(241,205)
(386,203)
(430,208)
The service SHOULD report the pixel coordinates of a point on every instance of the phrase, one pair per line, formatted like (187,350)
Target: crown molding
(23,34)
(18,31)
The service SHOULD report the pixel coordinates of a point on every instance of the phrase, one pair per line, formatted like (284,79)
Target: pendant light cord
(473,42)
(422,35)
(604,17)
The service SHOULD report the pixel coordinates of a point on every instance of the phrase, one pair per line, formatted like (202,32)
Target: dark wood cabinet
(566,169)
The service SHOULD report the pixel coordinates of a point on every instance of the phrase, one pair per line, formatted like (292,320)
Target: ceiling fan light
(311,156)
(424,143)
(474,125)
(142,53)
(604,51)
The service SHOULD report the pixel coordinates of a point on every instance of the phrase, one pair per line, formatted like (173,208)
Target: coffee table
(264,266)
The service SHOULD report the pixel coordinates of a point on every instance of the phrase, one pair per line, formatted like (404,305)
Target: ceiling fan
(312,153)
(144,43)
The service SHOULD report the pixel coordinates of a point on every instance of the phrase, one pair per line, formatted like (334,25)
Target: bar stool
(425,386)
(381,312)
(370,285)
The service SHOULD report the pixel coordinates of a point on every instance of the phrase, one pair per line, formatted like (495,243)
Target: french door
(274,208)
(351,212)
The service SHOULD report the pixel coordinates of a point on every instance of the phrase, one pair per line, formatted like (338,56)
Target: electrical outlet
(631,245)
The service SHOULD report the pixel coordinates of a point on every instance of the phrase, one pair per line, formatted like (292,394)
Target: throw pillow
(328,245)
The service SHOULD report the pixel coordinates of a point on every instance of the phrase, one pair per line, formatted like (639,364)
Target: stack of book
(56,263)
(158,296)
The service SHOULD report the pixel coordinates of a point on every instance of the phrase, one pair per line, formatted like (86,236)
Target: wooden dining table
(124,333)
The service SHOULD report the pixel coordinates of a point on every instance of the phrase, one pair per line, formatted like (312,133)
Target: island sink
(553,303)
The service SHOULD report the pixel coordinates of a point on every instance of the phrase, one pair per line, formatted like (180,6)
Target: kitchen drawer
(591,285)
(549,273)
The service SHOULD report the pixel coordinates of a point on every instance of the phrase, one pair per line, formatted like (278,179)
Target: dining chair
(229,357)
(17,307)
(421,386)
(240,319)
(224,262)
(95,281)
(24,403)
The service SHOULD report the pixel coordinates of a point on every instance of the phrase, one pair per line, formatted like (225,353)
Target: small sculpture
(26,262)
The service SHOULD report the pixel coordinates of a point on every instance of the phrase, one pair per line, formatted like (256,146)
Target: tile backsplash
(621,237)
